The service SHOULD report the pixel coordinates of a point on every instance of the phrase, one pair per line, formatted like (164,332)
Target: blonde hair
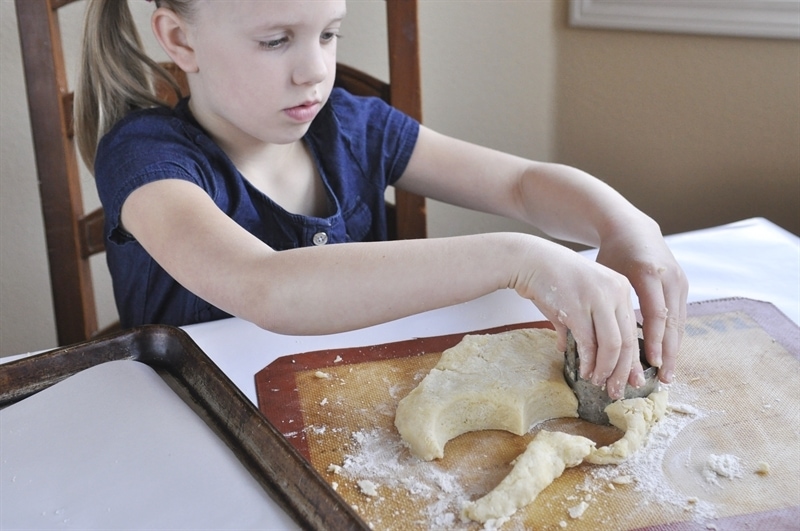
(116,75)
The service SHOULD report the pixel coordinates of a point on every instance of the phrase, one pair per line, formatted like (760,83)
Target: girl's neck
(287,174)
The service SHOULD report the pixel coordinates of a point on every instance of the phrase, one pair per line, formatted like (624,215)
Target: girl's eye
(329,36)
(274,43)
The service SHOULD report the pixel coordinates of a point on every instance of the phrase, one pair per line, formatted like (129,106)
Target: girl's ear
(172,34)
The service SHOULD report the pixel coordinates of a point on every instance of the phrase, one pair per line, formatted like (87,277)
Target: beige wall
(696,130)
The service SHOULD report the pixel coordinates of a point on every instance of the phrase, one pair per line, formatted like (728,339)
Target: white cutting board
(113,447)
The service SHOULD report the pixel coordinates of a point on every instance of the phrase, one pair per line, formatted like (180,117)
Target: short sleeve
(143,148)
(379,136)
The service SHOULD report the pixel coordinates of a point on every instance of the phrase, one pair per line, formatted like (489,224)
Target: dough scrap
(634,416)
(545,459)
(549,453)
(505,381)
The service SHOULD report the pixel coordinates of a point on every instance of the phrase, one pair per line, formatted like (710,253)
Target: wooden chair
(72,235)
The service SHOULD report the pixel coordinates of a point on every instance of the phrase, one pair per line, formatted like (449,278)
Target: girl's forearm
(570,204)
(345,287)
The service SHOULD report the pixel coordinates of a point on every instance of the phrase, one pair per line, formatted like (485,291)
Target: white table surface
(113,447)
(752,258)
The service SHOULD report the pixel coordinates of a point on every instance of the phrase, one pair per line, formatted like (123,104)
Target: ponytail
(116,75)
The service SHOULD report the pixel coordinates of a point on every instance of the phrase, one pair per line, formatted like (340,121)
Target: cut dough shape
(634,416)
(506,381)
(545,459)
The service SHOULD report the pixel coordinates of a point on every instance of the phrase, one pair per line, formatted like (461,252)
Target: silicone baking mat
(725,457)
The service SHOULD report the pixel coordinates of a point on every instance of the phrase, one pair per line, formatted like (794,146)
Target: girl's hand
(641,254)
(593,302)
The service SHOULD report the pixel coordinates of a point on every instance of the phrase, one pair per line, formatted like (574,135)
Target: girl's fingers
(609,346)
(673,335)
(636,378)
(663,303)
(654,322)
(587,351)
(627,368)
(561,339)
(607,350)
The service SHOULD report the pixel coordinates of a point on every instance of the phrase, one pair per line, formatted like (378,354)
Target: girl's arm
(342,287)
(569,204)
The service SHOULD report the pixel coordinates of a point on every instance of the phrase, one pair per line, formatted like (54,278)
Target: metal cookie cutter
(593,399)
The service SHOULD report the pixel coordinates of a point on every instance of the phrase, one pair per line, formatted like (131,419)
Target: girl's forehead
(252,13)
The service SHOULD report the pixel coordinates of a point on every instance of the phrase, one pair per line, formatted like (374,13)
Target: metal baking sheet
(283,473)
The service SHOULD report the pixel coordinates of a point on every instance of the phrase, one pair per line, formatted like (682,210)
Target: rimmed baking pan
(284,474)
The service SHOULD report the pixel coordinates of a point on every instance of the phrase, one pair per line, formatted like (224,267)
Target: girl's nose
(312,66)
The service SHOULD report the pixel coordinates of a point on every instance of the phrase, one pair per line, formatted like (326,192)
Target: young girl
(234,202)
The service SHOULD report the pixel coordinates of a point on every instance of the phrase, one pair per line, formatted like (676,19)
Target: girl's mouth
(304,112)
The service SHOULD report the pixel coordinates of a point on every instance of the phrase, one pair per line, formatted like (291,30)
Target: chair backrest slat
(406,95)
(57,167)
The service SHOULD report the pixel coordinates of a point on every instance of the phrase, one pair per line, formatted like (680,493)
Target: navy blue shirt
(359,145)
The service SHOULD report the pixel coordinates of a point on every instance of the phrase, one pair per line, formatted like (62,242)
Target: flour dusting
(725,466)
(381,457)
(644,469)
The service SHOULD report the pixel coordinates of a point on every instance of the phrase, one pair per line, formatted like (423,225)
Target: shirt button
(320,238)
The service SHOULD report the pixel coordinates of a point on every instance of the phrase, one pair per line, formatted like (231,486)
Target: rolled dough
(506,381)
